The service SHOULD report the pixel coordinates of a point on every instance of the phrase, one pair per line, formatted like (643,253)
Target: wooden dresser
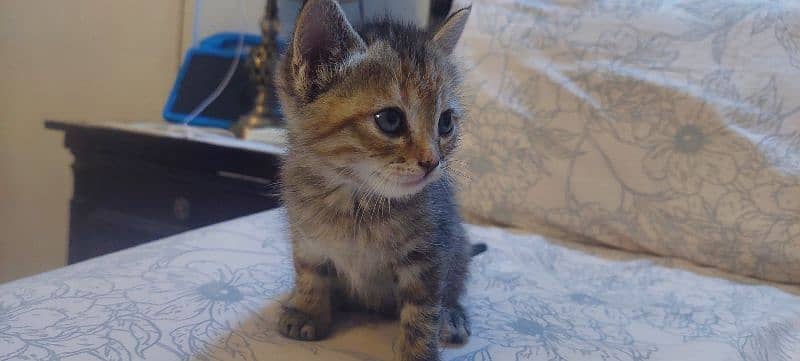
(134,183)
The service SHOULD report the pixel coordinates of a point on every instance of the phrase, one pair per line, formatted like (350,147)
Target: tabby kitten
(373,120)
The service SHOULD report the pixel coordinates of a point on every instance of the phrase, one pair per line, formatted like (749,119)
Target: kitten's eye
(446,123)
(390,121)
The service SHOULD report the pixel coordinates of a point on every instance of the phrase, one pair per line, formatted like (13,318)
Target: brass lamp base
(248,122)
(262,63)
(260,117)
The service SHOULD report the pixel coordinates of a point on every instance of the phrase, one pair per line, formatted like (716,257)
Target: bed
(211,294)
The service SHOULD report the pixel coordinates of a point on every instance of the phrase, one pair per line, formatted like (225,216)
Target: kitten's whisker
(460,176)
(461,172)
(381,201)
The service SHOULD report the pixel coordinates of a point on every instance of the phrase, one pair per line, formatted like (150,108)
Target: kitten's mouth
(399,185)
(413,181)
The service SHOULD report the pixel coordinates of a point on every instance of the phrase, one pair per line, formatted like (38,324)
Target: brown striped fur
(365,231)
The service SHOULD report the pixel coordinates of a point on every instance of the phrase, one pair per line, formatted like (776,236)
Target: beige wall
(95,60)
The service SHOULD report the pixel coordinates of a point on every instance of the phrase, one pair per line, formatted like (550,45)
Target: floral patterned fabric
(670,127)
(212,294)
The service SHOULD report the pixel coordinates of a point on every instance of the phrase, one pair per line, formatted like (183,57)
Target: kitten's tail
(478,248)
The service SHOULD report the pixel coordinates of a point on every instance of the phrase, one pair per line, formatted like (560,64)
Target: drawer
(180,198)
(116,206)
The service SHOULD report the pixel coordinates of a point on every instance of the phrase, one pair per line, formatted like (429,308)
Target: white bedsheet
(210,294)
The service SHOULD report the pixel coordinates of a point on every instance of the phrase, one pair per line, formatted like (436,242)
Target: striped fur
(363,235)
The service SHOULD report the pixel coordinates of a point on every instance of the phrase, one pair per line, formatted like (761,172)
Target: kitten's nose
(429,164)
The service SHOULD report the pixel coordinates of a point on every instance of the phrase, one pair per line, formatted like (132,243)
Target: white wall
(94,60)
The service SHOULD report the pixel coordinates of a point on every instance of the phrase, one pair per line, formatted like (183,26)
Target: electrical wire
(231,69)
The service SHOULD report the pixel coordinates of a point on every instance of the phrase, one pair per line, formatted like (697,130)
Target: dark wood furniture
(133,187)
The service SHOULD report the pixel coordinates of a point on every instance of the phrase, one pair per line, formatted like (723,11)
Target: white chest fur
(363,260)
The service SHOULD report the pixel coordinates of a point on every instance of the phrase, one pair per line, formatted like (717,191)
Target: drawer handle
(182,208)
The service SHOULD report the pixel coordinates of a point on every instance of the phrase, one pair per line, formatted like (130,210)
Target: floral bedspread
(211,294)
(666,127)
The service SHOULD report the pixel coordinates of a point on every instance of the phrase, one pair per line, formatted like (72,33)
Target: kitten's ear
(446,37)
(322,36)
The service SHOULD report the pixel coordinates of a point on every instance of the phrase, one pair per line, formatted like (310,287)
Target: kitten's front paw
(455,325)
(298,325)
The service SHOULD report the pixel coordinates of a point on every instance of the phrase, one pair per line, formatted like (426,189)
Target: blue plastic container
(202,71)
